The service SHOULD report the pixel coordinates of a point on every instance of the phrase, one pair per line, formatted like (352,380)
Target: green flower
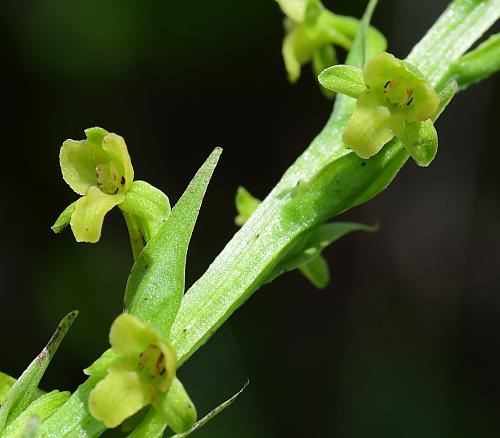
(393,100)
(140,373)
(99,169)
(311,30)
(311,33)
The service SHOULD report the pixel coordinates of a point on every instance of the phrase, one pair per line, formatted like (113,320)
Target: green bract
(143,368)
(99,169)
(393,100)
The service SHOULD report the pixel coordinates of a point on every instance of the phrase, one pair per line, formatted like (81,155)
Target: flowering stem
(242,266)
(324,181)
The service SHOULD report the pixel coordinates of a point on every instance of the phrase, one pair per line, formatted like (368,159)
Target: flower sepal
(176,407)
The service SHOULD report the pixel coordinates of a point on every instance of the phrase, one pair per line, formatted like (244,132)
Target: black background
(405,340)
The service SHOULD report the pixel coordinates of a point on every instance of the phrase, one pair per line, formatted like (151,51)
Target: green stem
(255,249)
(308,193)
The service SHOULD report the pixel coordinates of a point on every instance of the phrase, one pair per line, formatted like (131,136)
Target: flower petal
(114,145)
(425,103)
(293,9)
(78,160)
(382,68)
(292,63)
(86,221)
(370,127)
(118,396)
(170,365)
(130,336)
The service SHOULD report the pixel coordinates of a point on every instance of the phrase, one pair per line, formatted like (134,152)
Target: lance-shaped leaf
(156,283)
(21,393)
(43,407)
(305,254)
(316,271)
(345,79)
(478,64)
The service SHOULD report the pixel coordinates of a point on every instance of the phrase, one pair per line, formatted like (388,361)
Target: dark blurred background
(405,340)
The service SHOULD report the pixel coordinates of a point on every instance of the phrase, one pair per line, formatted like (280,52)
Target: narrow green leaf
(64,218)
(345,79)
(246,204)
(478,64)
(459,27)
(308,247)
(43,407)
(316,271)
(21,393)
(156,283)
(212,414)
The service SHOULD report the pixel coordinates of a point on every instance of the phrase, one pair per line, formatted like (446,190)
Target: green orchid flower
(99,168)
(311,33)
(138,371)
(393,100)
(311,30)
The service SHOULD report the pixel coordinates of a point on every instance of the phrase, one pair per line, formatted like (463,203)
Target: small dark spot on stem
(410,101)
(122,180)
(363,163)
(386,85)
